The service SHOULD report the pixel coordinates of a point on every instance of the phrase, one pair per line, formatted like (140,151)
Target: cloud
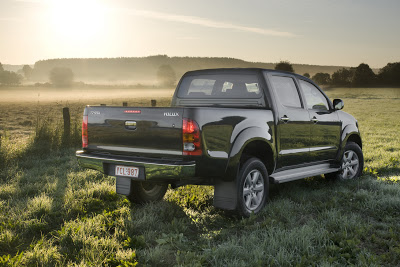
(205,22)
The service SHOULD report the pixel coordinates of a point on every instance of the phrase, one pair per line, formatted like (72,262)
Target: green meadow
(54,213)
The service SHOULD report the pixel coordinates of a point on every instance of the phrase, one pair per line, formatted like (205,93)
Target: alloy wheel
(350,165)
(253,190)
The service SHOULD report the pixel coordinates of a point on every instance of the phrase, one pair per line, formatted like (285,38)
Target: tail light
(85,131)
(191,138)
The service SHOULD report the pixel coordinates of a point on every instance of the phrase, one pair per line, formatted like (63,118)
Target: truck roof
(239,70)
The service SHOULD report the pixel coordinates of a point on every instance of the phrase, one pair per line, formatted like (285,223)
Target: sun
(77,20)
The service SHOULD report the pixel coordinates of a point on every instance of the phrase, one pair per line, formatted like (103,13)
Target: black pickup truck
(235,129)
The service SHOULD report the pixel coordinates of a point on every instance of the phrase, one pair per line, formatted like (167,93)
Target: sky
(321,32)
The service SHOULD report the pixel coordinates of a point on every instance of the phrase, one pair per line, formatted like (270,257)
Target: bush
(343,76)
(61,77)
(10,78)
(390,74)
(166,75)
(322,78)
(363,76)
(285,66)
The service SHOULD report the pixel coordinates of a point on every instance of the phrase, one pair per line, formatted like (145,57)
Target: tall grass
(48,136)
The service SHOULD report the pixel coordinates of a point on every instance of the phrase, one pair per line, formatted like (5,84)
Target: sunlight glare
(78,20)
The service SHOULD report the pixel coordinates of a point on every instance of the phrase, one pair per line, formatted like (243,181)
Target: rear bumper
(153,169)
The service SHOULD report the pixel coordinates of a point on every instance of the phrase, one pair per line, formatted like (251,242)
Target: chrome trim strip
(322,148)
(302,150)
(131,161)
(293,151)
(139,150)
(217,154)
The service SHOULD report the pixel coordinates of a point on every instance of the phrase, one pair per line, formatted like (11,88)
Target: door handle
(314,119)
(285,119)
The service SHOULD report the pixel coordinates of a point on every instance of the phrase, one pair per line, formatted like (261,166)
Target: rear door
(325,127)
(293,126)
(135,131)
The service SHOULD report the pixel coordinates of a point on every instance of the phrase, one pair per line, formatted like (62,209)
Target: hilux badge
(171,114)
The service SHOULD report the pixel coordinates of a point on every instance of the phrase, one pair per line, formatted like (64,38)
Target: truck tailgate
(135,131)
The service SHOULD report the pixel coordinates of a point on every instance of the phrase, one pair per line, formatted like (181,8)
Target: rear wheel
(252,186)
(352,163)
(144,192)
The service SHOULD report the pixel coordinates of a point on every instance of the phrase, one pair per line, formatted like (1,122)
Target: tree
(61,76)
(27,70)
(307,75)
(343,77)
(390,74)
(10,78)
(166,75)
(1,67)
(285,66)
(363,76)
(322,78)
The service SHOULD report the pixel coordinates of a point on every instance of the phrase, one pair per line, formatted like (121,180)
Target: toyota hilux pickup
(235,129)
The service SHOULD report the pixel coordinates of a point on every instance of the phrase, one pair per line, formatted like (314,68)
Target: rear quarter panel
(224,133)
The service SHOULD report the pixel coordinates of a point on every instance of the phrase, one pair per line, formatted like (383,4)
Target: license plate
(126,171)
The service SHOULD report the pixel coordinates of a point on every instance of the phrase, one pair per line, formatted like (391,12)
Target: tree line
(360,76)
(144,69)
(64,77)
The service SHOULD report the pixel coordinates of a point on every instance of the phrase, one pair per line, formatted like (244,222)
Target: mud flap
(123,185)
(225,195)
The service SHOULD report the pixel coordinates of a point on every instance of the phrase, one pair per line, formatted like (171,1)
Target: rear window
(220,86)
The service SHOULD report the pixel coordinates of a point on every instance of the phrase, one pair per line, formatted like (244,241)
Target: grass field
(52,212)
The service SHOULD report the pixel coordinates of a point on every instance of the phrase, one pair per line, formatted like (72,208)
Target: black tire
(352,164)
(253,187)
(144,192)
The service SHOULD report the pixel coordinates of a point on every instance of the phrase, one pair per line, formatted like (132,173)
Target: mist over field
(144,70)
(78,94)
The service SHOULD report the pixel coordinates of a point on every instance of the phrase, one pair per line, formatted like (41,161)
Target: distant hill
(144,69)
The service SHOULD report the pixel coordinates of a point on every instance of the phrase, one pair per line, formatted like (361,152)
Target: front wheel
(352,163)
(144,192)
(252,186)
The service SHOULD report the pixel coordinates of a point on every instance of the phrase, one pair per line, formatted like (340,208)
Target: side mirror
(338,104)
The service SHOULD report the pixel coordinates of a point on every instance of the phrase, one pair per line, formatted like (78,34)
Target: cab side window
(286,90)
(315,99)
